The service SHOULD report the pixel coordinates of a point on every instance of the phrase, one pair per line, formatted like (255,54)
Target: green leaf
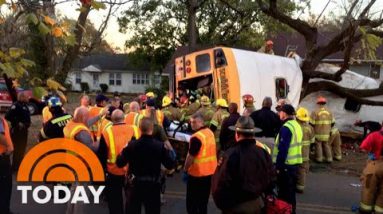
(27,63)
(16,52)
(39,91)
(81,9)
(32,18)
(20,69)
(98,5)
(9,70)
(44,30)
(70,40)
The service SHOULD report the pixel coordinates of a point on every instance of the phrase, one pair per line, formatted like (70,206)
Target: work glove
(185,177)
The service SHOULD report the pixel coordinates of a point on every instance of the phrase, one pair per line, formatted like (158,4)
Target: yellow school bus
(229,73)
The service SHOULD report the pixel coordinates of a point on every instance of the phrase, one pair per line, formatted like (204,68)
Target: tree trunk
(73,51)
(49,42)
(192,25)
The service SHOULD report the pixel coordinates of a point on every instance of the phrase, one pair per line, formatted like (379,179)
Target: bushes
(104,88)
(84,87)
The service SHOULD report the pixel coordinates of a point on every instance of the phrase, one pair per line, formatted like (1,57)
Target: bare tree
(344,41)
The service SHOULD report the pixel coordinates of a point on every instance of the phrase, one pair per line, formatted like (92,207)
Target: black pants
(5,184)
(286,181)
(19,139)
(197,194)
(114,191)
(147,194)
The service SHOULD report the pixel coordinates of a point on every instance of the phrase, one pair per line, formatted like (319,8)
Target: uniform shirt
(266,120)
(374,143)
(53,129)
(227,136)
(195,144)
(285,136)
(245,173)
(145,157)
(19,113)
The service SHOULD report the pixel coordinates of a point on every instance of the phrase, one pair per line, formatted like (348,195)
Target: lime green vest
(294,155)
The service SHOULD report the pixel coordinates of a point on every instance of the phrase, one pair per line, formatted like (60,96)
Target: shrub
(84,87)
(104,88)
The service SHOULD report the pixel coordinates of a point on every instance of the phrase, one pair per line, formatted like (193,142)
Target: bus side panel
(258,73)
(230,85)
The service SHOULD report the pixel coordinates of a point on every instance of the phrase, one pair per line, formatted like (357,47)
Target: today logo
(60,160)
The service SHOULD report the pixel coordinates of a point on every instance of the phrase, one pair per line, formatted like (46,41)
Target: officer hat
(245,125)
(288,109)
(101,97)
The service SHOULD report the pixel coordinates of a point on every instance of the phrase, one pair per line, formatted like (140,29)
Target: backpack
(277,206)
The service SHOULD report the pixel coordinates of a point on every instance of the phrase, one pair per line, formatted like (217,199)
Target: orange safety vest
(47,115)
(159,115)
(103,125)
(205,162)
(133,118)
(116,138)
(72,129)
(94,129)
(7,136)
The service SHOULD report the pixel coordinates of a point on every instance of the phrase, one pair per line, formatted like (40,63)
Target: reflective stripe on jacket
(294,155)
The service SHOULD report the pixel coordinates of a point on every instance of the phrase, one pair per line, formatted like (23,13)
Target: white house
(113,70)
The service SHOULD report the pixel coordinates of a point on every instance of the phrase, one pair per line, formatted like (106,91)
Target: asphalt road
(325,193)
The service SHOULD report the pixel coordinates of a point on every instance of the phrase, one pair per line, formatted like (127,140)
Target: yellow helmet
(166,101)
(205,101)
(150,94)
(222,103)
(303,114)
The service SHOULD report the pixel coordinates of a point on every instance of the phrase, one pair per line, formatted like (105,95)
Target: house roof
(109,62)
(284,39)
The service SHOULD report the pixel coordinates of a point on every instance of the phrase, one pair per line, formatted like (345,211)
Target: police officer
(20,120)
(303,119)
(6,149)
(287,155)
(200,165)
(218,117)
(53,128)
(206,110)
(253,176)
(322,120)
(114,138)
(145,157)
(172,113)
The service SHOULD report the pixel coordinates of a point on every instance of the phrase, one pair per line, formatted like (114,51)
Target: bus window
(203,63)
(281,88)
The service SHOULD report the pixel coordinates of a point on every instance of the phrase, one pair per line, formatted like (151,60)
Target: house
(286,42)
(115,70)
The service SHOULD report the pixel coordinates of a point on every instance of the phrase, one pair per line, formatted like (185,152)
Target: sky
(117,39)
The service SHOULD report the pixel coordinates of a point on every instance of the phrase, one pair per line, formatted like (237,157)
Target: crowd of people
(238,158)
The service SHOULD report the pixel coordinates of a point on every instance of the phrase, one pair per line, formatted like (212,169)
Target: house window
(281,88)
(118,79)
(96,80)
(375,71)
(111,79)
(140,79)
(78,78)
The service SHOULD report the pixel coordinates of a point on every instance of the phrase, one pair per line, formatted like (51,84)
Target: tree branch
(358,95)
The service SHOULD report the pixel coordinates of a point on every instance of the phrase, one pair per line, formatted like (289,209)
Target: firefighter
(133,117)
(162,120)
(145,156)
(53,128)
(101,102)
(150,95)
(183,104)
(20,119)
(267,48)
(200,165)
(248,104)
(206,110)
(287,155)
(371,179)
(303,119)
(335,141)
(192,107)
(172,113)
(6,149)
(218,117)
(113,139)
(322,120)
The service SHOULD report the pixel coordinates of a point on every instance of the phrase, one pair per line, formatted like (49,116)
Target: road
(325,193)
